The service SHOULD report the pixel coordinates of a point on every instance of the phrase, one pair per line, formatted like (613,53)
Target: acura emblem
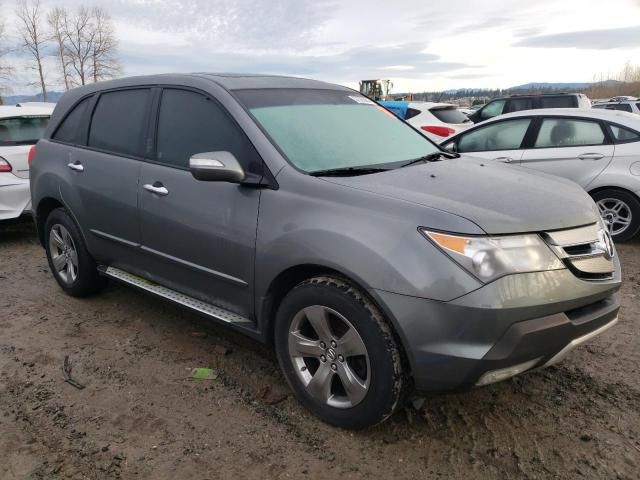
(605,243)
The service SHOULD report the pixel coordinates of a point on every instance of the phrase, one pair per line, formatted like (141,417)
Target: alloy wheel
(64,255)
(616,214)
(329,356)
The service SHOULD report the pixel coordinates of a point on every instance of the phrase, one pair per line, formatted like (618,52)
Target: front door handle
(156,188)
(590,156)
(504,159)
(76,166)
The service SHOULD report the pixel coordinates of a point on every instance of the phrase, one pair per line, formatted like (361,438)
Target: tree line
(82,42)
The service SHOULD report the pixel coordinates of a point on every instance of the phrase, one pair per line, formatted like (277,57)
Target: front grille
(582,251)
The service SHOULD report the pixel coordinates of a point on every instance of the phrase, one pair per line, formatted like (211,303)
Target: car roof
(430,105)
(631,120)
(7,111)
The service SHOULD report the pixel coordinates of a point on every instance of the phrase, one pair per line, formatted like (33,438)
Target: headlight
(489,258)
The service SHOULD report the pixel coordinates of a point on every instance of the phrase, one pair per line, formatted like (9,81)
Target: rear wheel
(338,353)
(71,264)
(620,211)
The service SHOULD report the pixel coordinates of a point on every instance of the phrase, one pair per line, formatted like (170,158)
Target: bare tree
(5,70)
(627,82)
(56,19)
(79,33)
(29,15)
(104,63)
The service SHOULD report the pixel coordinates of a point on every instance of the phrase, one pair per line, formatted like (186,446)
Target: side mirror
(452,147)
(216,167)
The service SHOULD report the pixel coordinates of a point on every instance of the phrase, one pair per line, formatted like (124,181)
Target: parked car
(20,129)
(517,103)
(598,149)
(435,120)
(631,106)
(304,214)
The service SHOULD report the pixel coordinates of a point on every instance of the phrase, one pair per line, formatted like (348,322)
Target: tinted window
(411,112)
(191,123)
(625,107)
(566,101)
(449,115)
(119,122)
(519,104)
(601,105)
(73,128)
(493,109)
(325,129)
(22,130)
(497,136)
(638,105)
(621,134)
(564,132)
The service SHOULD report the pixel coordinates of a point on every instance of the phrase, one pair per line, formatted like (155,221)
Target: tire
(375,380)
(69,260)
(618,205)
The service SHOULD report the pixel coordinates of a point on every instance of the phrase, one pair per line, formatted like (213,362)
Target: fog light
(498,375)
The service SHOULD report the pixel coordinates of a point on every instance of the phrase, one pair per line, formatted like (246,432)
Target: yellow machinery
(376,89)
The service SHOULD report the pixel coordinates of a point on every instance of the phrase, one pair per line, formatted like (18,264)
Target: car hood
(499,199)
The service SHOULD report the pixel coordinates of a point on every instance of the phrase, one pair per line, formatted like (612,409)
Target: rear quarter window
(623,135)
(73,128)
(449,115)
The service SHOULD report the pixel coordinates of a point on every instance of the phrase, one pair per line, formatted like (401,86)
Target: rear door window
(449,115)
(566,101)
(73,128)
(119,122)
(22,130)
(566,132)
(506,135)
(191,123)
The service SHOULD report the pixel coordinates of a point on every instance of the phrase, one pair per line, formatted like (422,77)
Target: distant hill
(13,99)
(563,86)
(532,86)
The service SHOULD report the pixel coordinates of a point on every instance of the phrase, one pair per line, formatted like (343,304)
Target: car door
(572,147)
(102,175)
(500,141)
(199,237)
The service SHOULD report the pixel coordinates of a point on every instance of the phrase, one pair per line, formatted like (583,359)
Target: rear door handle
(504,159)
(590,156)
(76,166)
(156,188)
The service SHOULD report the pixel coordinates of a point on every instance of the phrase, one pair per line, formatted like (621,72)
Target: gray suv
(305,215)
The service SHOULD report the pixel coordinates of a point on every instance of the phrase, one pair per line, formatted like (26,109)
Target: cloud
(350,65)
(604,39)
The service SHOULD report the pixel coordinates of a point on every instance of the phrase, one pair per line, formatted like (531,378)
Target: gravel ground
(140,416)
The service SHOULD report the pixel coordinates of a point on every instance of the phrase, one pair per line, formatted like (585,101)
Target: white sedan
(435,121)
(598,149)
(20,129)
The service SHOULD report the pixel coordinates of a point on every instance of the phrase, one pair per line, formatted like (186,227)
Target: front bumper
(15,196)
(526,320)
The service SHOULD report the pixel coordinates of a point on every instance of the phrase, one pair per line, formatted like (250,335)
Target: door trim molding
(196,267)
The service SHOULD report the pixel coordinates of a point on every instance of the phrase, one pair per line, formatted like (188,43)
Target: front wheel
(338,353)
(620,211)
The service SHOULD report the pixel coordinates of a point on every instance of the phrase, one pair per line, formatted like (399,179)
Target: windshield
(22,130)
(321,130)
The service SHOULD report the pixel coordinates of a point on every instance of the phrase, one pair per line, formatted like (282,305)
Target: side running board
(191,303)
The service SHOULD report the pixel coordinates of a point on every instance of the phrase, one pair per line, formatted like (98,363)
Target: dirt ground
(141,417)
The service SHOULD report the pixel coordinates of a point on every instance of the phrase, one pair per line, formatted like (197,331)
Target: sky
(419,44)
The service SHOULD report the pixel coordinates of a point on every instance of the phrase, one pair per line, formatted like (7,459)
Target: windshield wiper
(347,171)
(431,157)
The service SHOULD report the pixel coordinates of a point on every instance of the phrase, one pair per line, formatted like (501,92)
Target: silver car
(306,216)
(597,149)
